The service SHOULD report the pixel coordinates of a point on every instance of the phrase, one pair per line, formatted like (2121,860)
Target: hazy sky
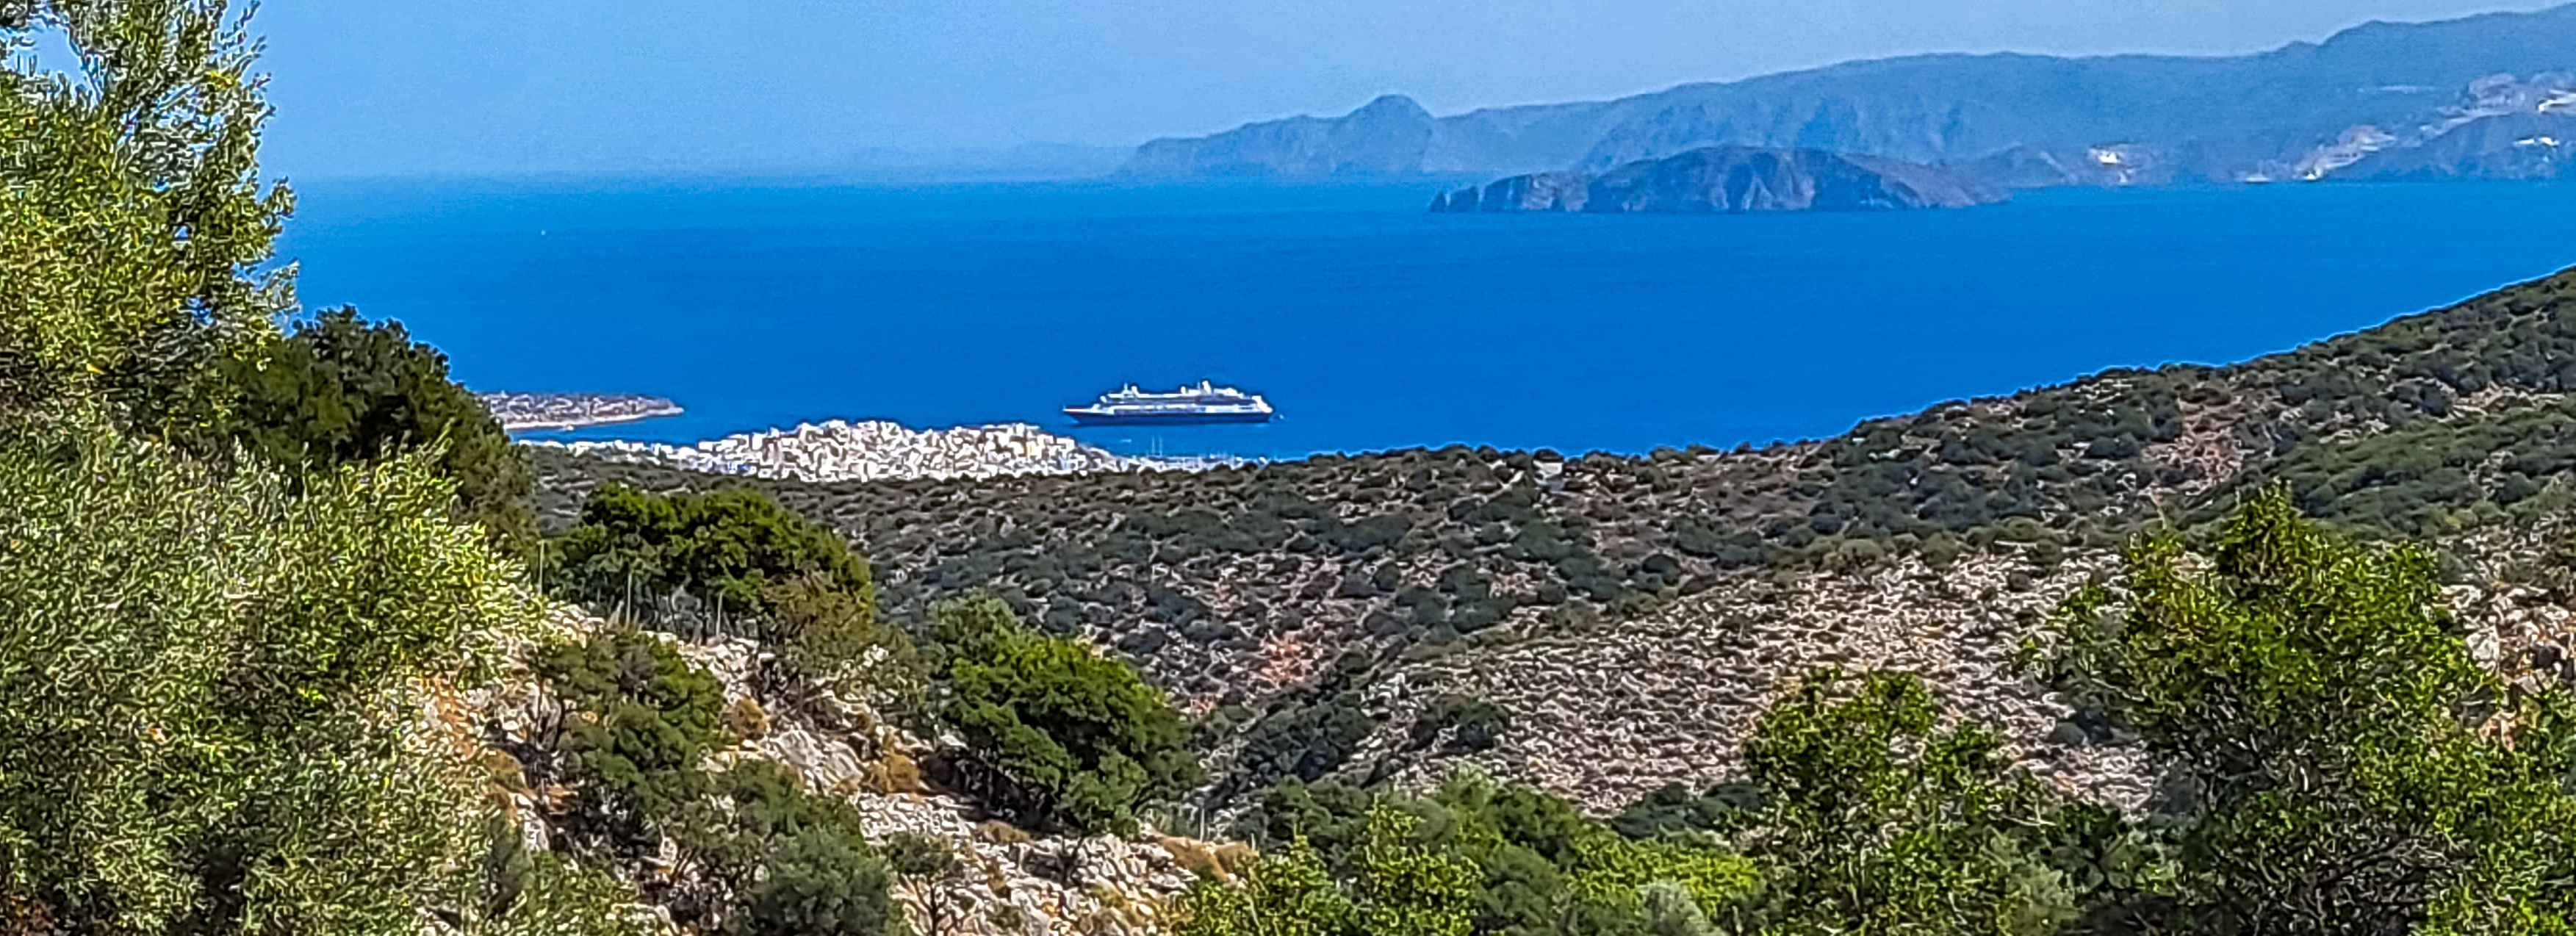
(499,86)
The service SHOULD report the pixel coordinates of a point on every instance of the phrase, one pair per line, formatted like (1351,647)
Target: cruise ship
(1205,403)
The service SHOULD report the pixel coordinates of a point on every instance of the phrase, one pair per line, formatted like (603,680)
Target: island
(520,411)
(1732,180)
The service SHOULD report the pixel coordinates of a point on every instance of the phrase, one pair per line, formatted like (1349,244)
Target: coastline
(558,426)
(883,450)
(534,412)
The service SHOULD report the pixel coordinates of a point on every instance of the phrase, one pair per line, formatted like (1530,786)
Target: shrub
(735,547)
(1078,740)
(198,667)
(340,391)
(648,718)
(2353,769)
(795,863)
(736,560)
(1472,724)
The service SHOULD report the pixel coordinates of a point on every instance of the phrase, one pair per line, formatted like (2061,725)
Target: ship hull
(1170,419)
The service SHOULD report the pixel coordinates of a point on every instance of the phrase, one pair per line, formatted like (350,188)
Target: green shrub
(736,561)
(1076,740)
(727,552)
(133,219)
(2351,767)
(199,667)
(1472,724)
(796,863)
(340,391)
(646,719)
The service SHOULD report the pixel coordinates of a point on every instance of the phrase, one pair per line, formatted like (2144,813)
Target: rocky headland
(1731,180)
(518,411)
(880,450)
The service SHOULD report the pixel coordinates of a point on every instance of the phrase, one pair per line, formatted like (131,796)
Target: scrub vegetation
(255,576)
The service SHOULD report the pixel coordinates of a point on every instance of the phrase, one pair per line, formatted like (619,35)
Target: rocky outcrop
(2502,128)
(516,411)
(1010,883)
(1734,180)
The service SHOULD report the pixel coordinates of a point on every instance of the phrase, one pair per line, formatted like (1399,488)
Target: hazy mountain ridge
(2264,116)
(1316,608)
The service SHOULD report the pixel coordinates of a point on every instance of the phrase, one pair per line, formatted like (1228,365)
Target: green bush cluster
(2342,764)
(770,857)
(1062,737)
(1525,861)
(641,719)
(680,557)
(1464,724)
(198,664)
(2335,763)
(340,391)
(734,562)
(134,222)
(1301,732)
(794,863)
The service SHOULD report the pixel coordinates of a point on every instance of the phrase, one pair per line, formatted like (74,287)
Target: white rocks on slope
(1605,714)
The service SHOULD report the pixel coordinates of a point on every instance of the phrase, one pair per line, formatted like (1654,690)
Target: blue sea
(1369,322)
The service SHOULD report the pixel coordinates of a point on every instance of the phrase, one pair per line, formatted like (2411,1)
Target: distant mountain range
(2491,96)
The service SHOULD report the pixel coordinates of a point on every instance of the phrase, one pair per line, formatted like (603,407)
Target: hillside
(2019,120)
(1312,603)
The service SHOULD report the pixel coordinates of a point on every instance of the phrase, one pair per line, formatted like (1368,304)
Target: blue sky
(373,87)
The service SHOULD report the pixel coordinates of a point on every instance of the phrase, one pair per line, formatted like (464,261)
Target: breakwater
(517,411)
(879,450)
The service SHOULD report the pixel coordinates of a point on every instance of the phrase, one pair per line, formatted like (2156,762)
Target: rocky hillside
(2015,120)
(1007,882)
(1731,180)
(1313,609)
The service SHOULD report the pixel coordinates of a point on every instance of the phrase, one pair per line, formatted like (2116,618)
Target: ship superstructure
(1205,403)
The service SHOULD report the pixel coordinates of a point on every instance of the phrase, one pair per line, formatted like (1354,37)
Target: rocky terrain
(1731,180)
(879,450)
(2502,128)
(516,411)
(1011,885)
(2008,120)
(1631,614)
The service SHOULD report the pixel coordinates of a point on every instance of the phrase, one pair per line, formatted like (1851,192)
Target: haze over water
(1369,322)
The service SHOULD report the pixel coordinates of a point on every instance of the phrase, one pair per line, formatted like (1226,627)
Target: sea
(1369,322)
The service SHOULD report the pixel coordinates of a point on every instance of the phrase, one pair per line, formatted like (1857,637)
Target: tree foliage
(341,391)
(1877,818)
(212,683)
(633,551)
(133,218)
(795,863)
(1533,864)
(2347,767)
(736,562)
(1395,887)
(644,720)
(1076,739)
